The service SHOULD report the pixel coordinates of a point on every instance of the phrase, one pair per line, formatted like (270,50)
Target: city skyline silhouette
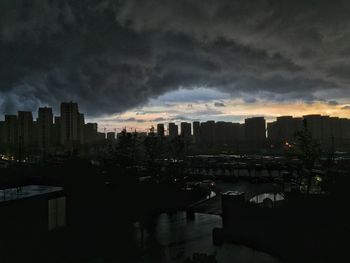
(174,131)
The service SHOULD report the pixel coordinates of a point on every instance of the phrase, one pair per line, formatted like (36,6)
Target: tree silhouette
(178,148)
(153,148)
(308,150)
(127,149)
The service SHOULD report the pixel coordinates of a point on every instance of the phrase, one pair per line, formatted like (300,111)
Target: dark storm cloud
(132,119)
(219,104)
(181,118)
(250,100)
(333,103)
(111,56)
(117,119)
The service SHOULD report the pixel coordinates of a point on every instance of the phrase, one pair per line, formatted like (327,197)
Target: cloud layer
(111,56)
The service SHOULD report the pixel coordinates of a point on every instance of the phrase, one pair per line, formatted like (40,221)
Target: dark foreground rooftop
(27,191)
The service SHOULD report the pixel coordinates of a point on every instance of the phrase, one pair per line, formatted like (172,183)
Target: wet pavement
(213,205)
(173,238)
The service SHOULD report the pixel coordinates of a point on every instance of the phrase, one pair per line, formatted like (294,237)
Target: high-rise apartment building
(11,131)
(45,128)
(283,130)
(56,131)
(207,132)
(196,131)
(186,131)
(173,130)
(90,133)
(70,123)
(81,125)
(255,132)
(2,134)
(160,129)
(25,129)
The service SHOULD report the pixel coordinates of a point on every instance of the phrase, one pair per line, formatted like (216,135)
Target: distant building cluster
(255,133)
(211,133)
(21,133)
(328,131)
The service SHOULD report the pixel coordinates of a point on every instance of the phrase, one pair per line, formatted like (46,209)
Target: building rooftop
(27,191)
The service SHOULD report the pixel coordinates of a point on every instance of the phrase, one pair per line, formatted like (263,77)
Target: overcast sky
(133,62)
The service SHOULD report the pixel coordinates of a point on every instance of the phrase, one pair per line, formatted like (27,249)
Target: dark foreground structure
(292,226)
(30,216)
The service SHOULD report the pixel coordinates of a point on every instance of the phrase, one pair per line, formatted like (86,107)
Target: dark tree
(178,148)
(308,150)
(127,149)
(153,148)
